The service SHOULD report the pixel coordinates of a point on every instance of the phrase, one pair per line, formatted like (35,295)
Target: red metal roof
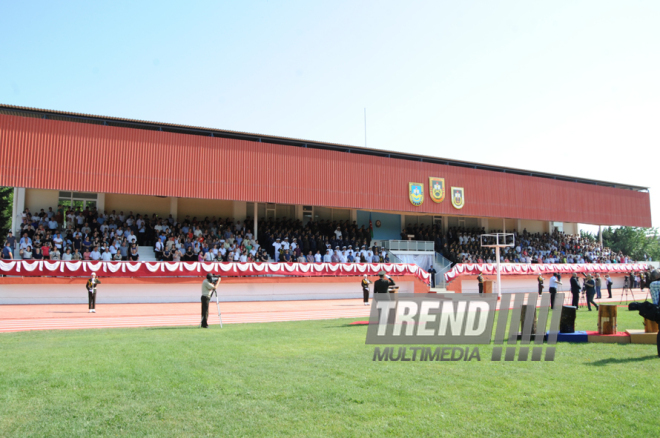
(52,154)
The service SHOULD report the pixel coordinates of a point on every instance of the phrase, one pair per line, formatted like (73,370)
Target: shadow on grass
(614,361)
(176,327)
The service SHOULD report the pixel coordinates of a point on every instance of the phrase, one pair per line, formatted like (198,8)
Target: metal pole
(255,221)
(499,282)
(365,127)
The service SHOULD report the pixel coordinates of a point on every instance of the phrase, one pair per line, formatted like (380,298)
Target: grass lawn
(311,379)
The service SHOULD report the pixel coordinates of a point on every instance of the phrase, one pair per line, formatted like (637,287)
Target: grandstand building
(54,158)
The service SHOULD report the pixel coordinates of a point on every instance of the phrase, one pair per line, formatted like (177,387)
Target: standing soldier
(540,280)
(382,285)
(365,289)
(208,287)
(91,292)
(480,279)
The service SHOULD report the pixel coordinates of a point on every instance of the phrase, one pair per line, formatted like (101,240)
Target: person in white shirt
(554,281)
(132,238)
(243,258)
(318,258)
(277,245)
(338,233)
(209,257)
(237,256)
(285,244)
(327,258)
(106,256)
(367,256)
(95,254)
(67,255)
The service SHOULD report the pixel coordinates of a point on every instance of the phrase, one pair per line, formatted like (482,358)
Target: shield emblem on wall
(416,193)
(457,197)
(437,189)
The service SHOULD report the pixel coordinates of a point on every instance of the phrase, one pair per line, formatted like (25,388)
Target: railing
(406,245)
(442,266)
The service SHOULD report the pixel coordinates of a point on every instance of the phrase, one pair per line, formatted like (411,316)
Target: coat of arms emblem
(416,193)
(457,197)
(437,189)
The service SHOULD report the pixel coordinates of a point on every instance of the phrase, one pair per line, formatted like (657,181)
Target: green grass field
(314,379)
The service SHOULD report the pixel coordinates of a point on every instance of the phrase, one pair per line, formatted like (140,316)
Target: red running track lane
(14,318)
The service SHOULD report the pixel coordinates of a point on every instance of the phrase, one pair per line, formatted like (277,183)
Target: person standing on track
(480,279)
(365,289)
(554,281)
(608,282)
(208,287)
(575,290)
(540,280)
(91,292)
(590,285)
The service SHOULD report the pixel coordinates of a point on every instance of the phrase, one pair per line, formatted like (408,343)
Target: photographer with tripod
(209,286)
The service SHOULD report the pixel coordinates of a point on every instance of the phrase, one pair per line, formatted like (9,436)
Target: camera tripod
(217,303)
(626,290)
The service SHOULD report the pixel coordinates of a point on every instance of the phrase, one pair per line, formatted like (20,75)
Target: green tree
(6,202)
(633,242)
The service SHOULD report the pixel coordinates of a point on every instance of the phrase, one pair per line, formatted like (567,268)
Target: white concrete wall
(182,293)
(137,204)
(36,199)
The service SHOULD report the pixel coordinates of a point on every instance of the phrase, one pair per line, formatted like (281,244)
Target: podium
(488,286)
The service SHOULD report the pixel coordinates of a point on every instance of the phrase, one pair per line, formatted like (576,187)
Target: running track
(15,318)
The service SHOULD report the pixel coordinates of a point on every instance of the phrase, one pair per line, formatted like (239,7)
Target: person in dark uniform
(432,271)
(365,289)
(540,280)
(208,287)
(91,292)
(480,279)
(381,286)
(590,285)
(575,290)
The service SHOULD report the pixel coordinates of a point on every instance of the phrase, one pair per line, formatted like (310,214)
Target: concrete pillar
(600,234)
(174,207)
(503,225)
(17,209)
(445,223)
(519,226)
(100,202)
(353,215)
(299,212)
(403,221)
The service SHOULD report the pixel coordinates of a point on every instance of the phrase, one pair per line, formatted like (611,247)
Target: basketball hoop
(497,241)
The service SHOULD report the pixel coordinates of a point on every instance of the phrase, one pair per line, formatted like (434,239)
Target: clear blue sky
(566,87)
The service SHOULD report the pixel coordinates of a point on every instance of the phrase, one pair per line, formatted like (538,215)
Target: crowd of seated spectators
(92,235)
(461,245)
(82,235)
